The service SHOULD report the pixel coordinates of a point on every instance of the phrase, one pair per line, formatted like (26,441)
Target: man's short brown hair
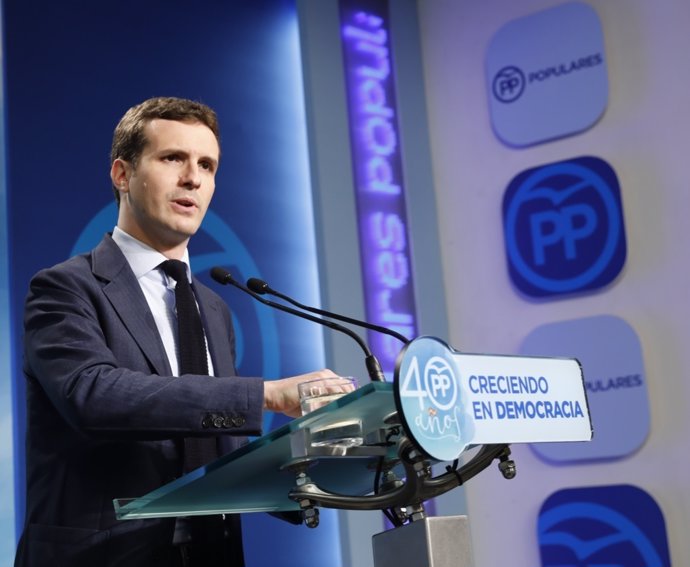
(129,139)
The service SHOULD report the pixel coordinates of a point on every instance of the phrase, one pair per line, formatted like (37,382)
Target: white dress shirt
(159,290)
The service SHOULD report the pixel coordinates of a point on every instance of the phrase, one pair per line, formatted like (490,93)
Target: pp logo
(428,397)
(441,384)
(615,379)
(508,84)
(618,525)
(546,75)
(563,227)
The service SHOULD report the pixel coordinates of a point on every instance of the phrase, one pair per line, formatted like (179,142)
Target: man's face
(165,197)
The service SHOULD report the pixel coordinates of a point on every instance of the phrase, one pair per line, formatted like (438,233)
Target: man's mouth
(185,202)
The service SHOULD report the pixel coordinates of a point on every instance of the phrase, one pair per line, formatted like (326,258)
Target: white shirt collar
(141,257)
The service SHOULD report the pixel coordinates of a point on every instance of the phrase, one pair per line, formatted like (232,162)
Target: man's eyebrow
(171,150)
(213,160)
(181,151)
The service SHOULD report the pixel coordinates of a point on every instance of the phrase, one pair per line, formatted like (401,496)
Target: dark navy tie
(191,346)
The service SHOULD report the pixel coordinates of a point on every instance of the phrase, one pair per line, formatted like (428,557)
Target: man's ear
(120,173)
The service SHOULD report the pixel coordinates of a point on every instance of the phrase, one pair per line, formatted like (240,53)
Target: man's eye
(207,165)
(172,157)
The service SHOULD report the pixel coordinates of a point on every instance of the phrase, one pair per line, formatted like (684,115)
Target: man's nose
(190,176)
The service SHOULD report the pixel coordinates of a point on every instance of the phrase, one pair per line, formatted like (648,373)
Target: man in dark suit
(108,411)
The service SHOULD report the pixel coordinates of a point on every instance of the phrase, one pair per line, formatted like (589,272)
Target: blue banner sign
(449,400)
(377,167)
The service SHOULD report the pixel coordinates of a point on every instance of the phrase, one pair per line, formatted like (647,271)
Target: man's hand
(281,395)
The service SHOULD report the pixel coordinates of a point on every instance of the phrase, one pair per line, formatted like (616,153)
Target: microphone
(224,277)
(261,287)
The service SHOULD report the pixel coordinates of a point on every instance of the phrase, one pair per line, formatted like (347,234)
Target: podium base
(429,542)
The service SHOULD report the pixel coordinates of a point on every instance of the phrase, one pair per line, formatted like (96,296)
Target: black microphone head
(221,275)
(257,285)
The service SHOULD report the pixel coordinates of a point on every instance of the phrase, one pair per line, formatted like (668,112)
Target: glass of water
(314,394)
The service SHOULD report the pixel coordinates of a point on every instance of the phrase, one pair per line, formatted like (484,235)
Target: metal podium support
(429,542)
(373,449)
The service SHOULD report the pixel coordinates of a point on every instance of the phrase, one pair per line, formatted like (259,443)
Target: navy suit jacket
(105,417)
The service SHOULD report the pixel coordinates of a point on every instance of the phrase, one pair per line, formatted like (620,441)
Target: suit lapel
(218,334)
(124,293)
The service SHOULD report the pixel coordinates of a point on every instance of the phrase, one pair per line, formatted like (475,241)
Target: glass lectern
(373,448)
(259,476)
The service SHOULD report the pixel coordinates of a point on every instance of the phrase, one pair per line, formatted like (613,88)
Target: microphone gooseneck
(261,287)
(224,277)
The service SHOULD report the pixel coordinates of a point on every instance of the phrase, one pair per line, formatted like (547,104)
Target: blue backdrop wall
(71,71)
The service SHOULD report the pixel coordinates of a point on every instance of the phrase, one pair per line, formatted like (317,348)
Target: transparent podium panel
(259,476)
